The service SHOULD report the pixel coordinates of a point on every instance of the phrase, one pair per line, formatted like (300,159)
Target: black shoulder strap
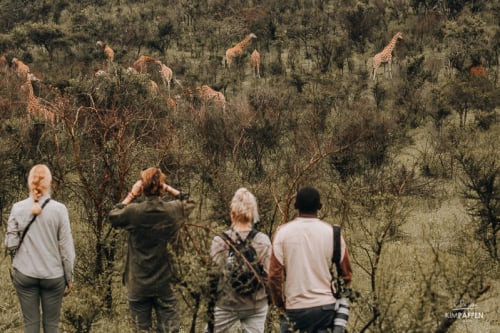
(251,235)
(226,237)
(30,223)
(337,249)
(241,241)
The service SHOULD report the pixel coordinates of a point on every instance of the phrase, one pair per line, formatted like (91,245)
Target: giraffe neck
(28,84)
(391,45)
(244,42)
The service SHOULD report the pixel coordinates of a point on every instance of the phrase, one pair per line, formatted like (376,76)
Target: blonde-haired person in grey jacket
(43,263)
(232,308)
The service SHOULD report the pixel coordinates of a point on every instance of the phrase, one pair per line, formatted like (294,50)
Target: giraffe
(153,67)
(3,64)
(108,51)
(201,93)
(153,86)
(21,68)
(208,94)
(386,55)
(255,62)
(166,75)
(172,102)
(141,64)
(36,106)
(237,50)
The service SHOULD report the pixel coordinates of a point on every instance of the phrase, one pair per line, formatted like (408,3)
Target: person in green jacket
(152,224)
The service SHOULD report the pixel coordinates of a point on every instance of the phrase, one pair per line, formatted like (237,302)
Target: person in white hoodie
(40,243)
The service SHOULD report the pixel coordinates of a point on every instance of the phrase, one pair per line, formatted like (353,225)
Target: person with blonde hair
(40,242)
(152,224)
(232,306)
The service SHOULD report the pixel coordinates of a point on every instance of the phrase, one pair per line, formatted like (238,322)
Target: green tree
(49,36)
(110,127)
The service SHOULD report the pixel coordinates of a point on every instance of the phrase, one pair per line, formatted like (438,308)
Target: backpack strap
(250,237)
(225,237)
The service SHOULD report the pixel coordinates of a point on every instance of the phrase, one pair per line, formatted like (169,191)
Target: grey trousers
(33,293)
(167,319)
(251,321)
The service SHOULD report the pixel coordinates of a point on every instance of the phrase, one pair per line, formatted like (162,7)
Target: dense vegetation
(409,166)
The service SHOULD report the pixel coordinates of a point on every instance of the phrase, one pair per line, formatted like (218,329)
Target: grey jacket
(47,251)
(151,224)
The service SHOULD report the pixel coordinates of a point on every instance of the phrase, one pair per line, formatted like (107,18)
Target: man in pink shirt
(300,281)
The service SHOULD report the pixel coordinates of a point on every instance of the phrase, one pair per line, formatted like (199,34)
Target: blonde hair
(244,206)
(152,181)
(39,183)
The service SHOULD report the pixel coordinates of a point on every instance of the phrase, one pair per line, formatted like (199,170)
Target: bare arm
(345,264)
(276,277)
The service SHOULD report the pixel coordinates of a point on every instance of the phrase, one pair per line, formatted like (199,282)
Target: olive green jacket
(152,225)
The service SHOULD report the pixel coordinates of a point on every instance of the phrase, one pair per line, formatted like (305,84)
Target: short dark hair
(308,200)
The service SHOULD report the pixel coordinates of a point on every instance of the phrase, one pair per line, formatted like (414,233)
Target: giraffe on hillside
(108,51)
(141,64)
(21,68)
(151,66)
(166,75)
(147,65)
(208,94)
(153,86)
(3,64)
(172,102)
(255,62)
(237,50)
(36,107)
(385,57)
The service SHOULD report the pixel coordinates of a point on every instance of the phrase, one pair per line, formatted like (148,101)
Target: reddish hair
(152,181)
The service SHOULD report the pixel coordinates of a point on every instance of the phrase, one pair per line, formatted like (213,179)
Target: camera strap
(337,249)
(337,253)
(25,231)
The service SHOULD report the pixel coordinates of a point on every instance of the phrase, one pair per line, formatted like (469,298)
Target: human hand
(182,196)
(68,289)
(171,190)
